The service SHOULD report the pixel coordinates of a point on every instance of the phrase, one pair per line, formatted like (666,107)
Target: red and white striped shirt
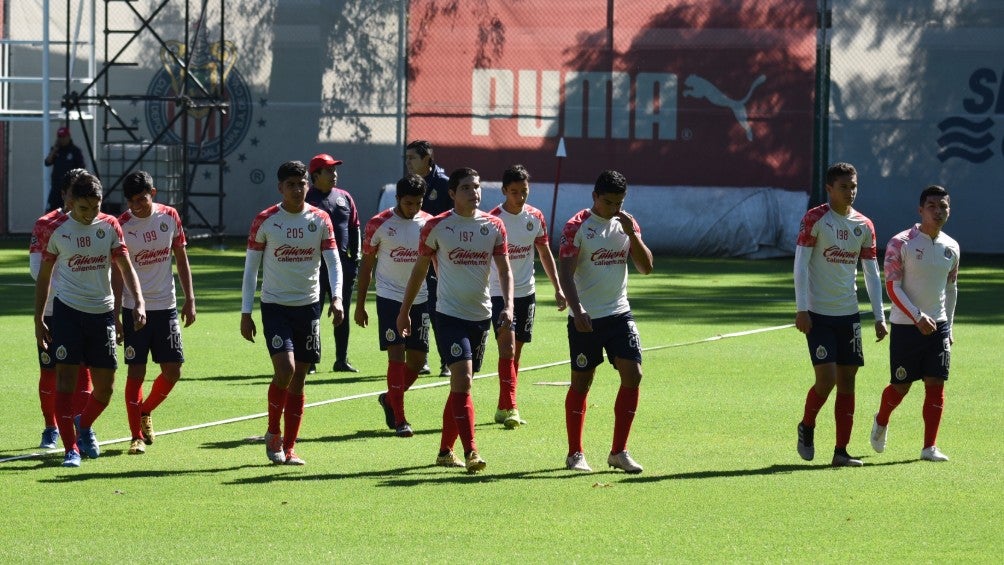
(917,272)
(291,244)
(601,250)
(39,240)
(151,241)
(394,241)
(83,254)
(524,231)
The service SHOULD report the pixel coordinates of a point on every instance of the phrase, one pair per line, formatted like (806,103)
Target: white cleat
(878,436)
(932,454)
(624,462)
(577,462)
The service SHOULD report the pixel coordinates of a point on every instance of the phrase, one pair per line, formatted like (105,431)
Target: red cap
(63,132)
(322,161)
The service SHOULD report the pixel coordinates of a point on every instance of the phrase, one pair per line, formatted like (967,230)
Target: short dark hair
(411,185)
(610,181)
(934,190)
(69,177)
(839,170)
(420,146)
(291,169)
(136,182)
(515,173)
(86,186)
(459,175)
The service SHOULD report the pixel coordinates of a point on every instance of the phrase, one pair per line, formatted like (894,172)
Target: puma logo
(697,87)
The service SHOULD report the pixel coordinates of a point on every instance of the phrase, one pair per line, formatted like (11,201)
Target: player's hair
(839,170)
(934,190)
(515,173)
(459,175)
(610,181)
(291,169)
(86,186)
(69,177)
(420,146)
(411,185)
(136,182)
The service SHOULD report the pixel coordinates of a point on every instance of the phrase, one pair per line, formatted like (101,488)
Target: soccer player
(84,242)
(418,160)
(290,237)
(921,273)
(463,242)
(831,240)
(47,365)
(153,232)
(340,206)
(390,249)
(526,232)
(592,266)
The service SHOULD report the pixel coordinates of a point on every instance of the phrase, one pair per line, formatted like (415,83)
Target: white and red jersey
(601,250)
(83,255)
(464,249)
(394,242)
(291,245)
(151,242)
(923,268)
(524,231)
(39,240)
(837,243)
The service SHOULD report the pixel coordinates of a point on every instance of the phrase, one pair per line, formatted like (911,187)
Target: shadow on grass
(147,474)
(418,475)
(775,469)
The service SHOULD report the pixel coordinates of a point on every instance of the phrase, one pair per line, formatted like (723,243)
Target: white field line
(439,383)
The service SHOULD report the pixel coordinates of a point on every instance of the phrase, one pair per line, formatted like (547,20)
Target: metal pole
(560,154)
(46,139)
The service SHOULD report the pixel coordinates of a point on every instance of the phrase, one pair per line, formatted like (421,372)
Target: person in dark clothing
(64,157)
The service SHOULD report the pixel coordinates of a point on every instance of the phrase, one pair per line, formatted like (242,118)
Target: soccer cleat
(878,436)
(49,438)
(842,459)
(273,448)
(388,412)
(137,446)
(87,440)
(475,463)
(343,367)
(404,430)
(577,462)
(72,458)
(449,459)
(425,370)
(146,425)
(293,459)
(624,462)
(932,454)
(806,446)
(312,369)
(509,418)
(444,371)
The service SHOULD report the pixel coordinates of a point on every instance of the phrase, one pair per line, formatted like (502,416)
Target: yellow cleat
(449,460)
(475,463)
(146,424)
(137,447)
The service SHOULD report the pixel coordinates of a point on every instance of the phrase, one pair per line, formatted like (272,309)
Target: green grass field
(715,431)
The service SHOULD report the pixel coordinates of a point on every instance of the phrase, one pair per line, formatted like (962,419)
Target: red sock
(64,420)
(813,403)
(133,400)
(462,407)
(410,376)
(934,405)
(83,394)
(843,413)
(450,432)
(575,419)
(890,400)
(293,418)
(624,409)
(507,384)
(47,396)
(276,402)
(395,390)
(158,393)
(91,412)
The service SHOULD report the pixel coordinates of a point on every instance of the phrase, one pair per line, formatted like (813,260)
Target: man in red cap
(64,157)
(339,205)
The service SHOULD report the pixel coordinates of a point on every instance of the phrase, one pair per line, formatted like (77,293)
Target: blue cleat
(72,458)
(49,438)
(87,441)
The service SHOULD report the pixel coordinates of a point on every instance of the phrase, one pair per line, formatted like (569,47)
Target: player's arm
(185,278)
(249,284)
(641,255)
(802,320)
(117,286)
(131,281)
(951,297)
(873,285)
(566,274)
(336,311)
(34,264)
(363,283)
(42,336)
(505,281)
(415,281)
(547,261)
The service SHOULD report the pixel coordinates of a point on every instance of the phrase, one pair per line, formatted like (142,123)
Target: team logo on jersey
(456,350)
(529,226)
(276,342)
(581,360)
(44,358)
(900,373)
(920,253)
(34,241)
(820,352)
(389,335)
(100,233)
(163,227)
(432,195)
(948,253)
(590,233)
(341,202)
(391,232)
(130,352)
(484,230)
(857,231)
(311,227)
(61,352)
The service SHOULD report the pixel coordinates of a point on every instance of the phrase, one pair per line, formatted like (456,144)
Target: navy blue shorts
(523,311)
(160,337)
(617,334)
(293,328)
(46,361)
(913,355)
(835,339)
(463,340)
(79,337)
(387,311)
